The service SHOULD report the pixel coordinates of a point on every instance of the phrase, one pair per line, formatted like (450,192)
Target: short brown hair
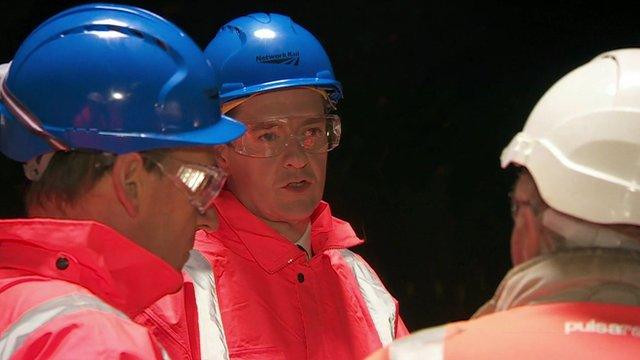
(70,174)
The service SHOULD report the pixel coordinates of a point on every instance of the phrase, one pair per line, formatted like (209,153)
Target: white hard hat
(581,142)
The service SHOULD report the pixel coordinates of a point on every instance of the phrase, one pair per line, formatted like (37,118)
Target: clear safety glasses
(202,183)
(269,137)
(516,205)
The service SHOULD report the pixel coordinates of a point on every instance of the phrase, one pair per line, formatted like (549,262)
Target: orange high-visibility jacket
(257,296)
(581,303)
(547,331)
(68,289)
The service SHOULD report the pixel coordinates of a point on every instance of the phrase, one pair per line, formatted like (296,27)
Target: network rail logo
(284,58)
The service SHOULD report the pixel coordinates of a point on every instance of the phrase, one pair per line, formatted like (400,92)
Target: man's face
(168,218)
(286,187)
(526,234)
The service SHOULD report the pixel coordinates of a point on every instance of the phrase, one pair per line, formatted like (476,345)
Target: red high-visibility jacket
(257,296)
(68,288)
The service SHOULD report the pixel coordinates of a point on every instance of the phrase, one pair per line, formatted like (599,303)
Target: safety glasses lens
(269,138)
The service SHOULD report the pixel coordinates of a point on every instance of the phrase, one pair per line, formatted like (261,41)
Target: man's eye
(267,136)
(314,132)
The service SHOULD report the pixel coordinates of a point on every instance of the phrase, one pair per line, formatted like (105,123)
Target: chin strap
(34,168)
(23,115)
(4,69)
(582,234)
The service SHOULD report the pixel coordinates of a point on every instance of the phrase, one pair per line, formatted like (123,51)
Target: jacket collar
(244,232)
(579,275)
(114,268)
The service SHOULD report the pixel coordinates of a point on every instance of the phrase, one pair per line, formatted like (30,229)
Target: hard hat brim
(333,85)
(223,131)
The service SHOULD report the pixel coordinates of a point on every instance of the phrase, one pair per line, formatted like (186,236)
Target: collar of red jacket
(114,268)
(243,231)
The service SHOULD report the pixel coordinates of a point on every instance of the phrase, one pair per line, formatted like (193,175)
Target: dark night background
(433,92)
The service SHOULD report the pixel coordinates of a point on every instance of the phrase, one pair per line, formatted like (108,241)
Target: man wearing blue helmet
(108,106)
(276,280)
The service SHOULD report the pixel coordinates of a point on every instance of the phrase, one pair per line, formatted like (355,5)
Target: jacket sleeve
(401,329)
(381,304)
(382,354)
(88,334)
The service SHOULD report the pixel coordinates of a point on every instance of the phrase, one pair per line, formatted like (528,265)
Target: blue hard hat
(262,52)
(113,78)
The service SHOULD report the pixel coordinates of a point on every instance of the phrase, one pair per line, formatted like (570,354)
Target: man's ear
(222,156)
(127,175)
(526,238)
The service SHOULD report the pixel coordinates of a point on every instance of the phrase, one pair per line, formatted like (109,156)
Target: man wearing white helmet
(575,289)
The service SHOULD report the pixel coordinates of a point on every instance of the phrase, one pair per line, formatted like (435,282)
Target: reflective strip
(213,344)
(382,307)
(17,333)
(426,344)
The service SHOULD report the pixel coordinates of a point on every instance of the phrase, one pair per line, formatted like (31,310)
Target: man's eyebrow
(264,124)
(313,119)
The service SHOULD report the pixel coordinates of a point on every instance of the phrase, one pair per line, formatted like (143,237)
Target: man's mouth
(298,185)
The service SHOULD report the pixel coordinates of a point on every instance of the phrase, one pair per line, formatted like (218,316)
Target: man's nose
(294,153)
(208,221)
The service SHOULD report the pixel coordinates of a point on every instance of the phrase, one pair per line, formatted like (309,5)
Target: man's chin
(298,210)
(183,260)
